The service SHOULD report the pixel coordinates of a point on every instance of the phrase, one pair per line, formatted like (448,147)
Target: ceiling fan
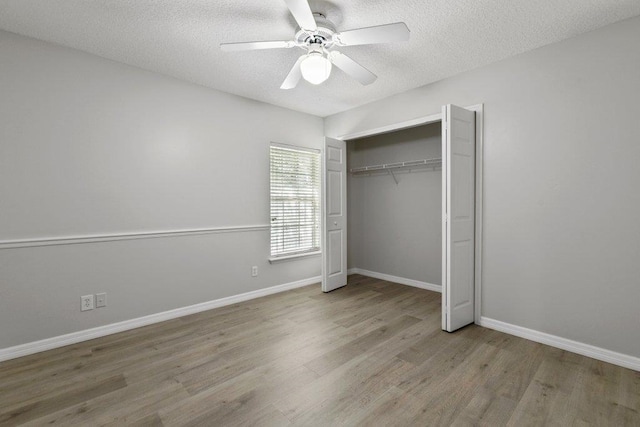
(319,37)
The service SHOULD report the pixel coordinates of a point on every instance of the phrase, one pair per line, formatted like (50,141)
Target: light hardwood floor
(371,353)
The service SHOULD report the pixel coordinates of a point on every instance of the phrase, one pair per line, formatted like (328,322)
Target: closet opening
(403,203)
(394,206)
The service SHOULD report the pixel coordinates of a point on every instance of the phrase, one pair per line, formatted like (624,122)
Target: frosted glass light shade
(315,68)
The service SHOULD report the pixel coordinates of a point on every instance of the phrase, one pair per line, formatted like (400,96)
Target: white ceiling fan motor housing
(322,36)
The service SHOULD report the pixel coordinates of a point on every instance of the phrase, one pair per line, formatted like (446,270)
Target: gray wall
(396,229)
(561,199)
(91,146)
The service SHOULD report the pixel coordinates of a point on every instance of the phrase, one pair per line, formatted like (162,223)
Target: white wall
(396,229)
(561,199)
(90,146)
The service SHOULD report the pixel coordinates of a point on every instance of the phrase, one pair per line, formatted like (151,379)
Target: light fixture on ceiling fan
(319,37)
(315,66)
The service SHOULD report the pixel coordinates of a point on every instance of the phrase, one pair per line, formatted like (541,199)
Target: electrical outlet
(254,271)
(101,300)
(86,302)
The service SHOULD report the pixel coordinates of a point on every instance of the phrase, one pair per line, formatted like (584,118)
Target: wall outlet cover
(86,302)
(254,271)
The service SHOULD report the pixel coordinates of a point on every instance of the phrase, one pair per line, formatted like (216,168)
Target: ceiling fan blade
(352,68)
(234,47)
(294,75)
(302,13)
(397,32)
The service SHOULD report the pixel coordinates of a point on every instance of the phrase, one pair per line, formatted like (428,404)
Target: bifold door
(334,224)
(458,219)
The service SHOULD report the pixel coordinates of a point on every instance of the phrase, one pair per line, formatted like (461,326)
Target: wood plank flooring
(371,353)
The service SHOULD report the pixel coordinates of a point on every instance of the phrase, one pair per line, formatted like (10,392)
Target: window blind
(295,201)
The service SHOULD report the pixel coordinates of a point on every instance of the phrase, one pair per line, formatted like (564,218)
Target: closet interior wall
(395,229)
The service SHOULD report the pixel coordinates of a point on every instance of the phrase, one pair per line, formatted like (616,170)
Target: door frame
(434,118)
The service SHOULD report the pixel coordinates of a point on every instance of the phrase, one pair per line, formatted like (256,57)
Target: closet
(393,210)
(394,206)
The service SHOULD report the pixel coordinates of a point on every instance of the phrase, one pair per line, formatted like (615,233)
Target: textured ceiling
(181,39)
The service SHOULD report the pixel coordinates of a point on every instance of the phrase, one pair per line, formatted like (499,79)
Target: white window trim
(295,147)
(289,257)
(276,259)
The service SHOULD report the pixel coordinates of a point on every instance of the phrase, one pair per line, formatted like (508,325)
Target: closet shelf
(427,163)
(390,167)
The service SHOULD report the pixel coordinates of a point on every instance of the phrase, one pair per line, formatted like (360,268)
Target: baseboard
(101,331)
(396,279)
(598,353)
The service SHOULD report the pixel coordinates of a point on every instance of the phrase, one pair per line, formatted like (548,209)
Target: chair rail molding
(110,237)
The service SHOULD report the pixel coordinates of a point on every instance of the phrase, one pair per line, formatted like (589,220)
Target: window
(295,200)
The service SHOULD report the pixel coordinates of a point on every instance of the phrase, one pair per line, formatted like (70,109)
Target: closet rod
(435,162)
